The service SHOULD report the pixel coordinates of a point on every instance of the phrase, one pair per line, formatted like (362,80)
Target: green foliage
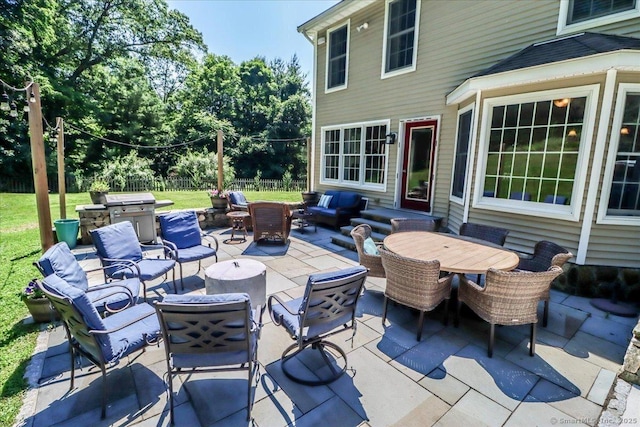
(202,168)
(287,180)
(99,185)
(119,170)
(256,180)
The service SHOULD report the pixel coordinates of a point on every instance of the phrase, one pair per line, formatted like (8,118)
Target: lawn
(20,247)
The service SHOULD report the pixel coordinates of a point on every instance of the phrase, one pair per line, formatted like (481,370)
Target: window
(401,36)
(534,146)
(580,15)
(355,155)
(337,58)
(623,168)
(460,163)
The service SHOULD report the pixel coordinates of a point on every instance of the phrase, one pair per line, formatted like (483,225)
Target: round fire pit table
(240,275)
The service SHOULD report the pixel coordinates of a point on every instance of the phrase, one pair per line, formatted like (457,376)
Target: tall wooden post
(220,171)
(309,165)
(39,164)
(62,190)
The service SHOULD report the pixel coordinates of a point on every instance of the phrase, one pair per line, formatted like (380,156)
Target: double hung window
(581,15)
(461,160)
(355,155)
(337,58)
(401,36)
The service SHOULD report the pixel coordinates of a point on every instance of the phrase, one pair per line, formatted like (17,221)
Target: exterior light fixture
(14,110)
(26,106)
(362,26)
(561,103)
(32,97)
(390,138)
(4,104)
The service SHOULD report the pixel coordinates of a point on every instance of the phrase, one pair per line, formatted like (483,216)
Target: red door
(418,165)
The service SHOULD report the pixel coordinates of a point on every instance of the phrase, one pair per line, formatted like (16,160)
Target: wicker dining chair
(545,254)
(412,224)
(416,284)
(508,298)
(372,261)
(491,234)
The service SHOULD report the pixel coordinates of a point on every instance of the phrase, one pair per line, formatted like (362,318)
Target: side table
(237,223)
(304,219)
(239,275)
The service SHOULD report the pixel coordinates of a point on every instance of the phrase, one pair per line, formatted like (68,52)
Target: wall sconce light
(561,103)
(390,138)
(572,133)
(624,131)
(362,27)
(321,40)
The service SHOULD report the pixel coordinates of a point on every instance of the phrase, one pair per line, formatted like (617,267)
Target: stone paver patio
(444,380)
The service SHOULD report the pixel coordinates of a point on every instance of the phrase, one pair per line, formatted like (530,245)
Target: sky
(244,29)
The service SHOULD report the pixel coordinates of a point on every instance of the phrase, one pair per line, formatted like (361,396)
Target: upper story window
(337,58)
(534,150)
(461,160)
(580,15)
(622,176)
(401,37)
(355,155)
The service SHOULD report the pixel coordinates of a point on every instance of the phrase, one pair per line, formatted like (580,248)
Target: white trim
(347,184)
(416,33)
(622,60)
(596,166)
(569,212)
(329,17)
(343,86)
(452,198)
(564,28)
(472,157)
(314,105)
(603,218)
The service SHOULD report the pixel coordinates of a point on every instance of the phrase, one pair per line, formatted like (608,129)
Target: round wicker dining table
(457,254)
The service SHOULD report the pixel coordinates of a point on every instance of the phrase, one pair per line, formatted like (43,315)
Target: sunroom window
(401,36)
(533,148)
(584,10)
(355,155)
(337,57)
(463,140)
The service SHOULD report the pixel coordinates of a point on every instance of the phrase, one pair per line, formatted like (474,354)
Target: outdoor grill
(138,209)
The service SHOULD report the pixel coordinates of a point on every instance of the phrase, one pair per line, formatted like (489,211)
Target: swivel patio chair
(507,298)
(412,224)
(101,341)
(182,234)
(109,297)
(120,252)
(209,333)
(271,221)
(238,202)
(416,284)
(545,254)
(328,307)
(368,250)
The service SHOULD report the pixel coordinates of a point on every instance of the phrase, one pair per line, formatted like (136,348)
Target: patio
(446,379)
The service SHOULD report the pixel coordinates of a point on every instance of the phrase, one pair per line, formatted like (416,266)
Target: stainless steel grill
(138,209)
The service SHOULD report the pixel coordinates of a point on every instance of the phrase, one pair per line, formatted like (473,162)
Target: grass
(20,247)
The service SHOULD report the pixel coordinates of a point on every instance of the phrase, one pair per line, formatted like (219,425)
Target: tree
(202,168)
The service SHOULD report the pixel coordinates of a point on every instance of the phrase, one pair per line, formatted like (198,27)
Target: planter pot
(98,197)
(67,231)
(310,198)
(218,203)
(41,310)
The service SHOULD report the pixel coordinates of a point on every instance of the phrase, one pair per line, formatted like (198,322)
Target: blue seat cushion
(117,241)
(181,228)
(195,253)
(130,337)
(322,211)
(114,295)
(149,269)
(59,259)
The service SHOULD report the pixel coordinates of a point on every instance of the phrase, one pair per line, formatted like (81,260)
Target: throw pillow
(324,201)
(370,247)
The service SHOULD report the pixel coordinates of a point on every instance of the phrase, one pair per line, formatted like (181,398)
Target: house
(519,114)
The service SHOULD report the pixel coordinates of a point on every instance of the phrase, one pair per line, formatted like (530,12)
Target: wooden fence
(158,184)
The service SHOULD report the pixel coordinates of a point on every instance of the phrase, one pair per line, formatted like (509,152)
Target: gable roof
(562,49)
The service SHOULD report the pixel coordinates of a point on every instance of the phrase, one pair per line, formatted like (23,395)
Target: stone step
(376,226)
(346,231)
(344,241)
(385,215)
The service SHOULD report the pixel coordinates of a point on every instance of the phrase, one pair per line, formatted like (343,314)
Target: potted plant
(38,305)
(98,190)
(218,198)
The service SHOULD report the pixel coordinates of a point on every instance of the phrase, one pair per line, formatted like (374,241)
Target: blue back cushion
(181,228)
(59,259)
(208,299)
(342,198)
(117,241)
(81,302)
(237,198)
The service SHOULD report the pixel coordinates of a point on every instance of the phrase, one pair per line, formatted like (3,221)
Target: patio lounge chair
(181,233)
(328,307)
(412,224)
(119,251)
(101,341)
(209,333)
(368,250)
(109,297)
(507,298)
(416,284)
(271,221)
(237,201)
(545,254)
